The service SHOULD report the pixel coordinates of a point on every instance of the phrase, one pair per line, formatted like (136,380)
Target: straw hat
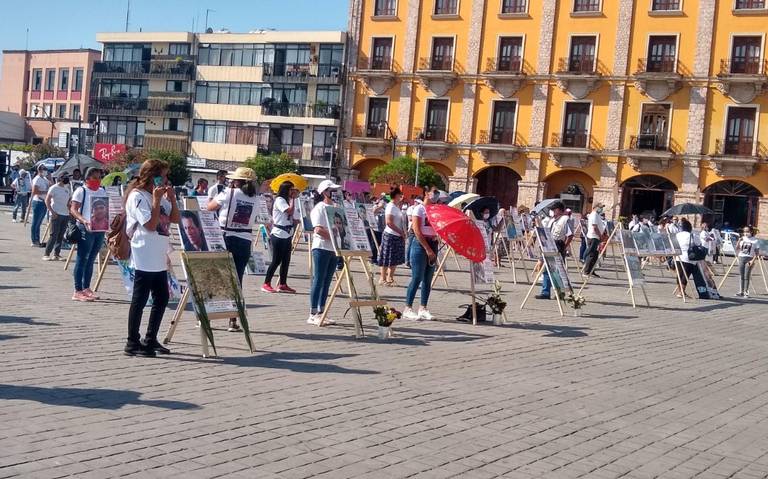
(242,173)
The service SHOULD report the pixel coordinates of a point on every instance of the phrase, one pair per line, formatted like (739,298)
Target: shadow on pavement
(296,362)
(421,337)
(4,337)
(87,398)
(10,269)
(24,320)
(15,286)
(554,330)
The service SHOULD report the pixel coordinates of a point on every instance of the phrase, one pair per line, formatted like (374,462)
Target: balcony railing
(737,146)
(504,64)
(648,142)
(657,65)
(171,108)
(302,72)
(158,68)
(322,154)
(133,141)
(436,63)
(500,136)
(742,66)
(749,4)
(371,131)
(574,139)
(301,110)
(584,64)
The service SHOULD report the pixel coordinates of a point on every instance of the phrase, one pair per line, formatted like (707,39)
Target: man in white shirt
(218,187)
(595,232)
(40,185)
(57,202)
(561,232)
(22,186)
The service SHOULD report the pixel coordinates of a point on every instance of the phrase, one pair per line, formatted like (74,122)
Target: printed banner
(200,231)
(356,229)
(99,213)
(257,263)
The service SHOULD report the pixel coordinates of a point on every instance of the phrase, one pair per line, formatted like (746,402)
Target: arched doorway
(574,188)
(366,166)
(734,202)
(498,181)
(647,195)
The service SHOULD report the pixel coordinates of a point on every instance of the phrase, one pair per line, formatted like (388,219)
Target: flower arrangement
(494,301)
(385,316)
(576,301)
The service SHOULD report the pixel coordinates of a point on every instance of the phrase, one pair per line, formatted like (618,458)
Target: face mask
(551,213)
(486,216)
(600,211)
(65,181)
(93,184)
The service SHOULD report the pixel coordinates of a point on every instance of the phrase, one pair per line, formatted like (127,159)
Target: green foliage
(46,150)
(402,171)
(267,167)
(24,148)
(128,157)
(178,171)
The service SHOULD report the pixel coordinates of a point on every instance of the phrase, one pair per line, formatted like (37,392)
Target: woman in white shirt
(237,214)
(323,254)
(57,202)
(90,241)
(686,267)
(423,257)
(150,207)
(392,252)
(281,237)
(40,186)
(748,250)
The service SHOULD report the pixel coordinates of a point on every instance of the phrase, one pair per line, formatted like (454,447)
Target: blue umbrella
(132,170)
(456,194)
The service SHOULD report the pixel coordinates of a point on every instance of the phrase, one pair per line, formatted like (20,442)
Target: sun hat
(242,173)
(327,185)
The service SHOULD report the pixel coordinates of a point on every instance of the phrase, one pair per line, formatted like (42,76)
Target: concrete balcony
(579,76)
(500,145)
(742,79)
(659,77)
(737,156)
(573,149)
(650,153)
(153,69)
(506,75)
(438,74)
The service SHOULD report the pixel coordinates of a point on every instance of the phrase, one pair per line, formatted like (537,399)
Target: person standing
(280,238)
(201,189)
(423,257)
(90,241)
(218,187)
(686,267)
(707,239)
(40,186)
(57,203)
(748,249)
(561,233)
(236,206)
(324,258)
(150,201)
(22,186)
(595,231)
(392,252)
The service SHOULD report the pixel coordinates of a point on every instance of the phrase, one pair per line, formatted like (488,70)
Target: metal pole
(418,160)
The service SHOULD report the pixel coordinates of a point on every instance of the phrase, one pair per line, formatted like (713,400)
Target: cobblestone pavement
(674,391)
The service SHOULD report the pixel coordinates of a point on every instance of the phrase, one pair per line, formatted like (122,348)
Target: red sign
(106,152)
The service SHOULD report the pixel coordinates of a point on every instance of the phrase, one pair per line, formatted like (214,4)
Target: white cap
(327,185)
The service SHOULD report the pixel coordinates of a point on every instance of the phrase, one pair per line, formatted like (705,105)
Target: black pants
(281,256)
(145,282)
(58,226)
(591,255)
(687,270)
(241,253)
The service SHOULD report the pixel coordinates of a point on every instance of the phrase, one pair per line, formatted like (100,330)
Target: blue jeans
(21,202)
(241,253)
(38,213)
(87,249)
(323,266)
(421,273)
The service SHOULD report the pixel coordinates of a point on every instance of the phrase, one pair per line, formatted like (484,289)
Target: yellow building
(639,104)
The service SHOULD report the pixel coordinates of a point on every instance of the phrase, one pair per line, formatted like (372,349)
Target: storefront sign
(106,152)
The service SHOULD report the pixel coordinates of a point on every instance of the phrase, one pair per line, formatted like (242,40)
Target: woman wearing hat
(236,206)
(90,241)
(323,254)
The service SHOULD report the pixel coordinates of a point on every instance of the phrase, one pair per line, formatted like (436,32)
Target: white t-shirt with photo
(421,212)
(397,217)
(42,185)
(85,206)
(281,217)
(319,218)
(60,196)
(149,249)
(747,247)
(237,212)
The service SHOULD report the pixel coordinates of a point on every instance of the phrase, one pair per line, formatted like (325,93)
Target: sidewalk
(674,391)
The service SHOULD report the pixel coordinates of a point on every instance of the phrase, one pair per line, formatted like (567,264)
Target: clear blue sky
(74,23)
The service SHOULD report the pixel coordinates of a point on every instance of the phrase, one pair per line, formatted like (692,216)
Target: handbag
(72,234)
(466,317)
(696,252)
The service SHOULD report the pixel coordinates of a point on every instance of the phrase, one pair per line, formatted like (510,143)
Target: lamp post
(47,117)
(392,137)
(333,136)
(419,146)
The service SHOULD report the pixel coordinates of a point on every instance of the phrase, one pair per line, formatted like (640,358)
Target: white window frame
(748,34)
(669,121)
(447,118)
(522,47)
(586,13)
(373,14)
(516,100)
(756,106)
(661,12)
(432,50)
(503,14)
(658,34)
(391,60)
(458,9)
(368,109)
(589,123)
(734,9)
(597,47)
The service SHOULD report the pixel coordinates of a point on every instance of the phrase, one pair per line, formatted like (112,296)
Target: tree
(42,151)
(178,171)
(402,171)
(128,157)
(267,167)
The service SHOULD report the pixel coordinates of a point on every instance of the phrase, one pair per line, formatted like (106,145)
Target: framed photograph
(305,208)
(545,239)
(99,213)
(658,243)
(341,236)
(257,263)
(627,242)
(263,210)
(357,229)
(634,267)
(200,231)
(643,243)
(558,274)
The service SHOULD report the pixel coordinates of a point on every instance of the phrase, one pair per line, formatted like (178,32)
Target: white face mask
(551,213)
(486,216)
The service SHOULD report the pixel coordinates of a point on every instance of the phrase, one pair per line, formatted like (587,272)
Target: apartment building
(638,104)
(49,88)
(224,97)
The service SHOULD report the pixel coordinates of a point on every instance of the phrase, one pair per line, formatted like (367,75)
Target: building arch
(500,182)
(646,195)
(442,170)
(734,202)
(365,167)
(575,188)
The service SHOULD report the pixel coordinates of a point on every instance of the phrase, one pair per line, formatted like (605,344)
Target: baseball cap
(327,185)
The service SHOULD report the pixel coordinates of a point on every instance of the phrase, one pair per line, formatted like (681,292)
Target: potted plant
(496,304)
(385,317)
(576,301)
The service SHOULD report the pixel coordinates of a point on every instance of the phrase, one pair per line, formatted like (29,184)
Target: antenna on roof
(127,15)
(26,41)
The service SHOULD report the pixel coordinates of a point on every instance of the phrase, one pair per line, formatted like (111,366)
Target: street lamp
(392,137)
(419,146)
(47,117)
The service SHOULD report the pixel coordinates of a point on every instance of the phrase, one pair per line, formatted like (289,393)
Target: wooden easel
(760,262)
(538,273)
(354,302)
(600,256)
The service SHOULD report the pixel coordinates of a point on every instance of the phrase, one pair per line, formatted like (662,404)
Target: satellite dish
(209,30)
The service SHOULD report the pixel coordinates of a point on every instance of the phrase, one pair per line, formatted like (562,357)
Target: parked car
(52,164)
(728,247)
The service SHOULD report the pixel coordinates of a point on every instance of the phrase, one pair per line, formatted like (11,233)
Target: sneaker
(425,314)
(82,297)
(739,294)
(47,258)
(595,275)
(14,220)
(328,321)
(35,244)
(56,258)
(410,315)
(746,294)
(543,296)
(155,346)
(91,294)
(134,349)
(267,288)
(233,326)
(284,288)
(314,319)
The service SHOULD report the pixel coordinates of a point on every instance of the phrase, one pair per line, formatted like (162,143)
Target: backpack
(118,241)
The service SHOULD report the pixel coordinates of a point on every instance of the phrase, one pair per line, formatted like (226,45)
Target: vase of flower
(384,332)
(496,304)
(498,319)
(385,317)
(575,301)
(577,313)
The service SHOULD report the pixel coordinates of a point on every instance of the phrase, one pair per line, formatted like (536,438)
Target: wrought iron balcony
(161,69)
(574,139)
(436,63)
(307,110)
(662,64)
(738,146)
(648,142)
(513,65)
(500,136)
(302,73)
(435,133)
(583,64)
(742,66)
(293,151)
(322,154)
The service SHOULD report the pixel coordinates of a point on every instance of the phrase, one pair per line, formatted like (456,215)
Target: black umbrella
(477,206)
(542,207)
(688,209)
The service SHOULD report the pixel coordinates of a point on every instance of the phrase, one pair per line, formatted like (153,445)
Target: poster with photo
(257,263)
(305,208)
(202,203)
(240,211)
(356,228)
(341,237)
(200,231)
(483,272)
(99,213)
(558,274)
(483,227)
(545,239)
(675,245)
(212,231)
(658,244)
(263,210)
(707,289)
(115,195)
(373,223)
(517,222)
(627,242)
(634,267)
(643,243)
